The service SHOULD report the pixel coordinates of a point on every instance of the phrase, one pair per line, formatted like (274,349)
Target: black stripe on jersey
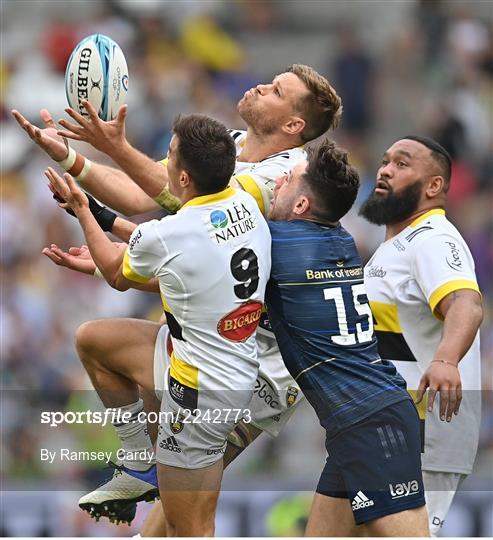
(280,154)
(234,134)
(415,233)
(392,346)
(174,327)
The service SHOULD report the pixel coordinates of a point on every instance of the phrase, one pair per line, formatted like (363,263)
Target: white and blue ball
(97,71)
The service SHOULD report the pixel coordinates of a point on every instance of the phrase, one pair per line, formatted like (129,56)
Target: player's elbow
(118,284)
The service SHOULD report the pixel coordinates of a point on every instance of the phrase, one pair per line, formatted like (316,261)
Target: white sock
(135,441)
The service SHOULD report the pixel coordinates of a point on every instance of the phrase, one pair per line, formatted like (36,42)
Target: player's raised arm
(79,259)
(108,184)
(107,257)
(109,137)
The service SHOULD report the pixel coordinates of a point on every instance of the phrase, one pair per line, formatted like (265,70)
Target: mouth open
(382,187)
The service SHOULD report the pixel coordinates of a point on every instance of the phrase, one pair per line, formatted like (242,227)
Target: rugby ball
(97,71)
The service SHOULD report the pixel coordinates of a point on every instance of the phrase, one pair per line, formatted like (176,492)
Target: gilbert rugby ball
(97,71)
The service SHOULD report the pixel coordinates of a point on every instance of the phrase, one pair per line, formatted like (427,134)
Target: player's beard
(259,123)
(392,207)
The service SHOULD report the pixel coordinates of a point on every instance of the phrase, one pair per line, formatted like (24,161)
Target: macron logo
(361,501)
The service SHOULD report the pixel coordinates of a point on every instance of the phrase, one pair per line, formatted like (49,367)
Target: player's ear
(294,125)
(435,186)
(185,179)
(301,206)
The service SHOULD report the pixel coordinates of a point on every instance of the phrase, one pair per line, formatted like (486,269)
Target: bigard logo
(241,323)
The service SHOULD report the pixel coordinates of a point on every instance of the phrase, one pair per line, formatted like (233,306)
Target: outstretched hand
(442,377)
(68,190)
(48,138)
(104,136)
(77,258)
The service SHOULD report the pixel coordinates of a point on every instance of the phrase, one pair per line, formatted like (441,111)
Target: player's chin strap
(240,437)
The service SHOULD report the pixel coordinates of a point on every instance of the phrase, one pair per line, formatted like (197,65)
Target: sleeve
(443,264)
(146,253)
(257,186)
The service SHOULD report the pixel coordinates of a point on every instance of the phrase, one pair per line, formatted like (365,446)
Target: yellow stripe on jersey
(439,294)
(433,212)
(421,406)
(184,373)
(130,273)
(165,303)
(209,199)
(385,317)
(250,186)
(164,161)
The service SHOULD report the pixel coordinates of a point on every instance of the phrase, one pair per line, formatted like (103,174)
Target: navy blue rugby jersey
(319,312)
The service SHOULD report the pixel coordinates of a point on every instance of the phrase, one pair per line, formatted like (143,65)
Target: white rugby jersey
(406,279)
(259,178)
(212,259)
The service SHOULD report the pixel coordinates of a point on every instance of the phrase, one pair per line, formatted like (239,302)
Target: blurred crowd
(431,73)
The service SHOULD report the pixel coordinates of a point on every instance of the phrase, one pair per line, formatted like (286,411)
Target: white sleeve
(443,264)
(146,253)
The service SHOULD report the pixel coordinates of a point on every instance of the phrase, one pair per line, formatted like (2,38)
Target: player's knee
(86,338)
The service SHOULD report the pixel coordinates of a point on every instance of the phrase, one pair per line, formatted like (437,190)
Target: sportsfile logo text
(117,416)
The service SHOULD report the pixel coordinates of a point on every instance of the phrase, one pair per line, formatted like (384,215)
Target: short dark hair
(321,108)
(206,151)
(441,157)
(334,183)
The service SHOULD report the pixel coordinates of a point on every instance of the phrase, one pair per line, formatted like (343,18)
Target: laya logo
(218,219)
(241,323)
(454,260)
(125,82)
(404,489)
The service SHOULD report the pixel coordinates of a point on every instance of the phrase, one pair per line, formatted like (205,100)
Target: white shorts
(440,488)
(275,396)
(192,436)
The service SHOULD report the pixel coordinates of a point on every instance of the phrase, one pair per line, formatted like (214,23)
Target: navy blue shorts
(376,464)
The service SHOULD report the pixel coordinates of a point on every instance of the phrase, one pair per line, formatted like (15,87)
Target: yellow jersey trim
(184,373)
(421,406)
(164,161)
(165,304)
(432,212)
(129,273)
(212,198)
(251,187)
(439,294)
(386,318)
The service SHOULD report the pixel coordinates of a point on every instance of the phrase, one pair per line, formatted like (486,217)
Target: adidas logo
(170,444)
(361,501)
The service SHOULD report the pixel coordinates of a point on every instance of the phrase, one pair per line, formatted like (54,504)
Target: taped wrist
(168,201)
(103,215)
(75,164)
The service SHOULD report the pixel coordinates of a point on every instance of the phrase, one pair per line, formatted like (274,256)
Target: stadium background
(405,66)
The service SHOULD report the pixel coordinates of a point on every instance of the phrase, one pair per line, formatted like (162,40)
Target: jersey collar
(212,198)
(432,212)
